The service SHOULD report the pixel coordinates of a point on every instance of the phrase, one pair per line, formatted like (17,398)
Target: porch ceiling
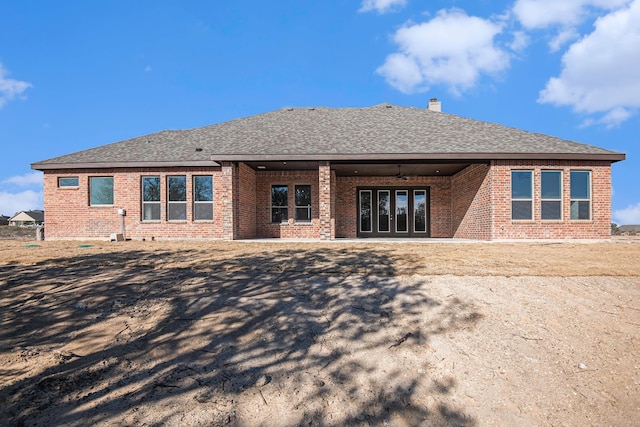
(368,168)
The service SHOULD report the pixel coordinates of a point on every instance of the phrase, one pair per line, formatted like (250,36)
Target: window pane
(151,189)
(402,205)
(203,211)
(203,188)
(580,210)
(420,211)
(580,185)
(303,214)
(177,187)
(303,195)
(551,184)
(303,203)
(101,190)
(279,195)
(383,211)
(521,184)
(279,203)
(68,182)
(551,210)
(151,211)
(365,211)
(279,214)
(521,210)
(177,211)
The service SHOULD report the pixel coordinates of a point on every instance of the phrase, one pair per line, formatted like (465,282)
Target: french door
(393,212)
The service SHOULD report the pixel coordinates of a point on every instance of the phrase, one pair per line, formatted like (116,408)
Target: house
(629,230)
(4,220)
(27,218)
(325,173)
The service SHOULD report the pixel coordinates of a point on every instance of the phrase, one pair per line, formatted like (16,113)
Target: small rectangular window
(303,203)
(521,195)
(279,203)
(177,198)
(580,182)
(203,198)
(551,192)
(101,191)
(150,198)
(68,181)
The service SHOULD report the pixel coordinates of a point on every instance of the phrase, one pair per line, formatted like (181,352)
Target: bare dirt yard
(331,334)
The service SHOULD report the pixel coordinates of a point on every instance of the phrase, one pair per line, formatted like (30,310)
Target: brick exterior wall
(69,216)
(347,205)
(475,203)
(471,203)
(246,202)
(290,229)
(598,227)
(326,201)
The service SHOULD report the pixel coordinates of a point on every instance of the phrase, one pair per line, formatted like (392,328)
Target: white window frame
(530,200)
(145,203)
(588,199)
(171,203)
(559,199)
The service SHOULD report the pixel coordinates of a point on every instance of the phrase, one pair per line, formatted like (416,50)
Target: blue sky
(79,74)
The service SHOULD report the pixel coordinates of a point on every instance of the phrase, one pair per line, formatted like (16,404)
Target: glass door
(393,212)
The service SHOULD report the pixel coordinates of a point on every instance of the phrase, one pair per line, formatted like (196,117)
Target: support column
(227,201)
(326,201)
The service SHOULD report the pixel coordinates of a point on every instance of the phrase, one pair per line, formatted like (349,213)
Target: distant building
(27,218)
(4,220)
(629,230)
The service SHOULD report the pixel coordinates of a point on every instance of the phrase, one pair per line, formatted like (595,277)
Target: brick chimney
(435,105)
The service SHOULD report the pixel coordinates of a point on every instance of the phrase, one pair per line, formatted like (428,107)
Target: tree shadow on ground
(288,337)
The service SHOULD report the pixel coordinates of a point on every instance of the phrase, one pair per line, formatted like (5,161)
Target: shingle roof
(381,131)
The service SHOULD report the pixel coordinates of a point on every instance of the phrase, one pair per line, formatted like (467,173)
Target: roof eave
(108,165)
(612,157)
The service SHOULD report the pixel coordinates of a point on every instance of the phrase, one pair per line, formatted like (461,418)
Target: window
(303,203)
(150,198)
(420,211)
(365,211)
(580,194)
(69,181)
(202,198)
(384,211)
(279,203)
(177,198)
(521,195)
(551,186)
(101,190)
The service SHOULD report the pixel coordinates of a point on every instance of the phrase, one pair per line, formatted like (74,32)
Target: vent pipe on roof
(435,105)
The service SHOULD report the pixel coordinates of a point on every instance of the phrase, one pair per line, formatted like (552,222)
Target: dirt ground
(340,333)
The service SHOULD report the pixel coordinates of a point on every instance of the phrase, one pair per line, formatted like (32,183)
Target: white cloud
(382,6)
(520,41)
(12,203)
(563,37)
(536,14)
(600,71)
(26,180)
(452,49)
(21,193)
(10,88)
(628,216)
(563,14)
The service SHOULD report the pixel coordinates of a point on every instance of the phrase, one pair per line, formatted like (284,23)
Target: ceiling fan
(399,175)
